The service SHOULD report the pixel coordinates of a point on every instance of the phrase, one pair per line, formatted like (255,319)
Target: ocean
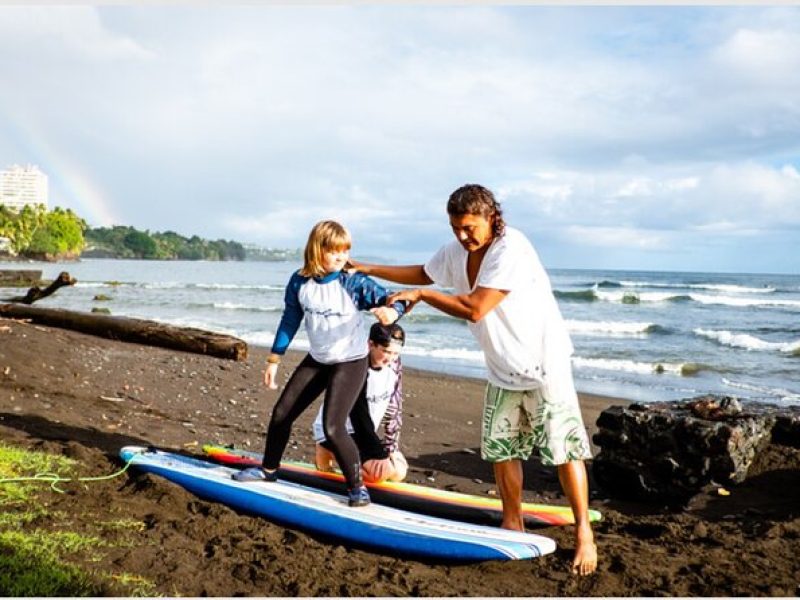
(640,335)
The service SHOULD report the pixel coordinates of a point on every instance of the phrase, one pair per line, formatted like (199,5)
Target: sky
(653,138)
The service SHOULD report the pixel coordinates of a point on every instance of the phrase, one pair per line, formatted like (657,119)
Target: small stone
(476,480)
(700,530)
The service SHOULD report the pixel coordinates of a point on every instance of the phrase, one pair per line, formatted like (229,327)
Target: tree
(127,242)
(141,244)
(61,233)
(20,227)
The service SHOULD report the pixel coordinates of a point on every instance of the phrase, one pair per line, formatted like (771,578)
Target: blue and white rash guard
(332,308)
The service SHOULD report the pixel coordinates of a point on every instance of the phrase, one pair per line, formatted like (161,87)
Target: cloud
(259,120)
(53,30)
(771,56)
(289,223)
(739,194)
(616,237)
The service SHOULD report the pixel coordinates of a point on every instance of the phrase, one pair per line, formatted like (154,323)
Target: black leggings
(342,383)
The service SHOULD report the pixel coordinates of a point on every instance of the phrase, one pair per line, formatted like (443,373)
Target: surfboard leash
(55,478)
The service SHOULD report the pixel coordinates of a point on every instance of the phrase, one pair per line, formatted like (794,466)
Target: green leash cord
(55,478)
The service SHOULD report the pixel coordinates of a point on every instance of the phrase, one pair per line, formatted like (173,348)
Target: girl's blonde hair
(325,236)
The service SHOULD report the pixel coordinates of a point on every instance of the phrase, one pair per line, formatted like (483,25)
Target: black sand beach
(85,397)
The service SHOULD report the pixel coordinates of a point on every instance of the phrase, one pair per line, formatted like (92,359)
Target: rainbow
(73,183)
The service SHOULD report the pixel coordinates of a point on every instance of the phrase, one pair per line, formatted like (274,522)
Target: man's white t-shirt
(524,337)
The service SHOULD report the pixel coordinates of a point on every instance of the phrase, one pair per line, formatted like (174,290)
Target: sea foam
(717,287)
(631,366)
(610,328)
(747,341)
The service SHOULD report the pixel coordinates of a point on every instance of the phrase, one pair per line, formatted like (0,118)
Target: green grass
(122,525)
(18,519)
(17,463)
(31,565)
(41,563)
(135,585)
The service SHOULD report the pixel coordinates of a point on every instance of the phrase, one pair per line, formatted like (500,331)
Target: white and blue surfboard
(380,528)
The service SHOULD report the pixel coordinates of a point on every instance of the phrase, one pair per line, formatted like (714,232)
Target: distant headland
(36,233)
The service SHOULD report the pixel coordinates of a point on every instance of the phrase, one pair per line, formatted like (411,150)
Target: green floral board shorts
(516,422)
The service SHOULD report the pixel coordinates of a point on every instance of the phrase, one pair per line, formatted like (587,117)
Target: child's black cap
(385,335)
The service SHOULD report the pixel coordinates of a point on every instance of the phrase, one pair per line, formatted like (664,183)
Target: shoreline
(591,404)
(664,348)
(595,399)
(85,397)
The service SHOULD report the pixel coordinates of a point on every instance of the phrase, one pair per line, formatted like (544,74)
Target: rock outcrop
(668,451)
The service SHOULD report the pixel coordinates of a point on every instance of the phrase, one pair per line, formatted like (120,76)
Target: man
(501,288)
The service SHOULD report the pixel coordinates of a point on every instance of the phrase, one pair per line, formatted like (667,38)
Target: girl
(330,300)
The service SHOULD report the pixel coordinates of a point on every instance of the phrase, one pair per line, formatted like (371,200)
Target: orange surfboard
(408,496)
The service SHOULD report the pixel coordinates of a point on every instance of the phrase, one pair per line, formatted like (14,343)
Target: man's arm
(408,275)
(472,307)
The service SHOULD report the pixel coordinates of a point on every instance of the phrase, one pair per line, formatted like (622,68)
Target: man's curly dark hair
(474,199)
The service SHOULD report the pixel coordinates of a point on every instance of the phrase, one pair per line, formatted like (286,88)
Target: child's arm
(368,294)
(393,419)
(290,323)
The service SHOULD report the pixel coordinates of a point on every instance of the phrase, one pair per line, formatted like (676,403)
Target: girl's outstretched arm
(368,294)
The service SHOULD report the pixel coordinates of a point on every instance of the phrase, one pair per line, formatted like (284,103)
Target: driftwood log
(139,331)
(37,293)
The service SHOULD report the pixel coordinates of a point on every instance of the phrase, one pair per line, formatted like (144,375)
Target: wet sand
(85,397)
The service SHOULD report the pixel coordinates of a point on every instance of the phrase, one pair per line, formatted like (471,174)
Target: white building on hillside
(20,186)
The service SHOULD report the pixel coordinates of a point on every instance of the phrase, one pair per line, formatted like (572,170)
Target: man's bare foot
(585,561)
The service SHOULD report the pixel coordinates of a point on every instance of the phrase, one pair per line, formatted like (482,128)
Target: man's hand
(385,314)
(271,376)
(410,297)
(376,470)
(353,266)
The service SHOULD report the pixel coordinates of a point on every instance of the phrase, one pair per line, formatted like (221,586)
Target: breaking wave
(717,287)
(636,297)
(658,368)
(612,328)
(748,342)
(237,306)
